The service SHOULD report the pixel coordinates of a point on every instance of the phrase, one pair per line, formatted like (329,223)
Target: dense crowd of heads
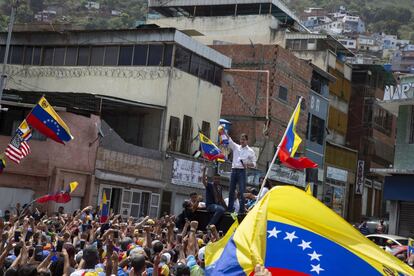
(79,244)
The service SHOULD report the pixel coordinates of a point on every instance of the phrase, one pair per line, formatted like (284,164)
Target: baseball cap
(200,242)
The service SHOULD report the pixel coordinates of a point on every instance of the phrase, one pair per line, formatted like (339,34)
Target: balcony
(119,161)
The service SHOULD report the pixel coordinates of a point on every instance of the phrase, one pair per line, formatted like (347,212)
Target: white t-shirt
(236,204)
(262,193)
(80,272)
(241,153)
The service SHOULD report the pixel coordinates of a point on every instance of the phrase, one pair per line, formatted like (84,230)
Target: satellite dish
(274,25)
(197,154)
(228,79)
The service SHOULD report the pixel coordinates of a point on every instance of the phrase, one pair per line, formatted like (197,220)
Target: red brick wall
(244,93)
(51,166)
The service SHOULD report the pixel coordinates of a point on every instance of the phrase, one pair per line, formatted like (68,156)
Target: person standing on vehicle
(243,158)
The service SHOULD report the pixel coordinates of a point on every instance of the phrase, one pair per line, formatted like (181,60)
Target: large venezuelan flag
(209,149)
(45,119)
(292,233)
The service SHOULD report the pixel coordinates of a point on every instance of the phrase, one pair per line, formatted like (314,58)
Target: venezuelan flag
(294,234)
(45,119)
(72,187)
(292,140)
(24,131)
(215,250)
(210,151)
(290,143)
(104,209)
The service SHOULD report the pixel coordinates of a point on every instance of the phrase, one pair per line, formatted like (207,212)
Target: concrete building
(329,55)
(371,131)
(403,60)
(353,24)
(367,43)
(349,43)
(134,100)
(344,25)
(398,186)
(227,21)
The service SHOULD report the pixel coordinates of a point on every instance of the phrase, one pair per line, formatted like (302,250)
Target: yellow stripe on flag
(214,250)
(43,103)
(73,185)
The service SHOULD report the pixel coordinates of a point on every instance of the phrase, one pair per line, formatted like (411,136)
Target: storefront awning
(399,187)
(114,177)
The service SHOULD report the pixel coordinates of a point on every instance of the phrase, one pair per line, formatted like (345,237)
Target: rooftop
(188,8)
(388,172)
(330,40)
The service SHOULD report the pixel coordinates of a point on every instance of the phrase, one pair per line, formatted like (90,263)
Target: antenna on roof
(251,43)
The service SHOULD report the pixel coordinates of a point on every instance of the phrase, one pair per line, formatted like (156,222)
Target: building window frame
(283,93)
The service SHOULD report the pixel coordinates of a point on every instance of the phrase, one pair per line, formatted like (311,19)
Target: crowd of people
(33,243)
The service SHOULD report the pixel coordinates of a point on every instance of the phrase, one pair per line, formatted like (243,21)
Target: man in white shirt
(243,158)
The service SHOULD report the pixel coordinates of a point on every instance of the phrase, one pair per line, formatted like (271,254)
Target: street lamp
(6,52)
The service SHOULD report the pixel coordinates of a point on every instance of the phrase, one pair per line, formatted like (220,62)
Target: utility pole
(6,53)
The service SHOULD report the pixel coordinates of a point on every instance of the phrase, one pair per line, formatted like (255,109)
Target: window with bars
(152,54)
(283,93)
(205,128)
(186,135)
(173,133)
(411,138)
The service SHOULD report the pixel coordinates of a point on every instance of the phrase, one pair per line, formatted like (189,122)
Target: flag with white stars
(293,250)
(45,119)
(294,234)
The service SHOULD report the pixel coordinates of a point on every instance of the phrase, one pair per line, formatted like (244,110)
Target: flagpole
(278,147)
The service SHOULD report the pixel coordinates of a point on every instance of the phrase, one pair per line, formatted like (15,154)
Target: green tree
(24,14)
(36,5)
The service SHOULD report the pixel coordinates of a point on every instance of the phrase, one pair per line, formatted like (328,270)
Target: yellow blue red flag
(209,149)
(24,131)
(214,250)
(290,143)
(294,234)
(104,209)
(45,119)
(72,187)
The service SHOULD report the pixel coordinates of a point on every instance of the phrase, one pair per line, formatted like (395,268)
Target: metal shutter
(406,219)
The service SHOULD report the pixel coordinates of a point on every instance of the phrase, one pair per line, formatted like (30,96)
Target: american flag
(17,149)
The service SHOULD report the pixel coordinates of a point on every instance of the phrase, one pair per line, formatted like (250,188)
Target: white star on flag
(315,256)
(273,232)
(290,236)
(305,245)
(317,268)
